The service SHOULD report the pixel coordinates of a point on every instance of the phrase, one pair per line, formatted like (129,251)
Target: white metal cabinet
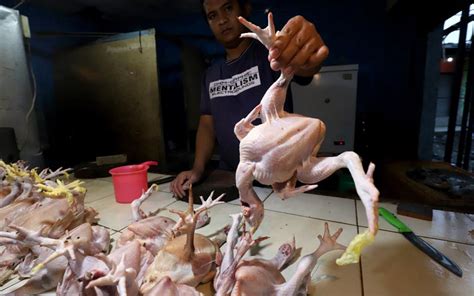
(331,96)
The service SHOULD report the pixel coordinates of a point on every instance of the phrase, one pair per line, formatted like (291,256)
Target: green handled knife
(420,243)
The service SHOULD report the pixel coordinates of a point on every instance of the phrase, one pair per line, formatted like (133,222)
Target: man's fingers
(182,186)
(318,57)
(287,55)
(187,184)
(293,26)
(279,48)
(281,42)
(284,37)
(274,65)
(180,191)
(173,186)
(303,36)
(303,55)
(296,44)
(177,185)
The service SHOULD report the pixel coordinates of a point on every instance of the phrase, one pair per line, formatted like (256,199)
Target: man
(233,87)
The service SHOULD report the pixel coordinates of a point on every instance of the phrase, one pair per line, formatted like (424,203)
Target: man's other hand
(182,182)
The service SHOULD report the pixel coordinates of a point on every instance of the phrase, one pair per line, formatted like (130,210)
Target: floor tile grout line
(271,192)
(321,219)
(419,235)
(108,227)
(266,198)
(356,215)
(89,202)
(361,271)
(427,237)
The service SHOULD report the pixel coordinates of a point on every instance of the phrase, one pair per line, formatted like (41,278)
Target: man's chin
(232,43)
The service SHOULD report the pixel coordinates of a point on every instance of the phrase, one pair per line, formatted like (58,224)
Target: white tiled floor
(445,225)
(262,193)
(390,266)
(97,189)
(315,206)
(393,266)
(117,216)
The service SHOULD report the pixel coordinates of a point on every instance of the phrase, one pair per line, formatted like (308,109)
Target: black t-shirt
(231,89)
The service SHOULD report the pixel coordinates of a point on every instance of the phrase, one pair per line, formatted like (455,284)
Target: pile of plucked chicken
(39,214)
(50,241)
(48,237)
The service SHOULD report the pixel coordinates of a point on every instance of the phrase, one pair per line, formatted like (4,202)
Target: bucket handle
(148,163)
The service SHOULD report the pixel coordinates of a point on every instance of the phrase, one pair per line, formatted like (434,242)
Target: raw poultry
(49,242)
(257,276)
(46,230)
(39,203)
(283,150)
(189,258)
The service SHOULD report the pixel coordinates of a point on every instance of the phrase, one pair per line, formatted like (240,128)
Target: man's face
(222,18)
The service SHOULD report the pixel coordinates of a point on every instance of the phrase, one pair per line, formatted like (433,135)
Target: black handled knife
(420,243)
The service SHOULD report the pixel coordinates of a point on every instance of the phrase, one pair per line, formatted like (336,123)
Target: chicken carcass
(237,276)
(283,150)
(155,231)
(44,266)
(189,258)
(50,218)
(151,230)
(166,287)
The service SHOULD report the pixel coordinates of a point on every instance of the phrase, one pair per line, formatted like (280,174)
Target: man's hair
(242,4)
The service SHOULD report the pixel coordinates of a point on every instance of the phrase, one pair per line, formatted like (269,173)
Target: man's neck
(235,52)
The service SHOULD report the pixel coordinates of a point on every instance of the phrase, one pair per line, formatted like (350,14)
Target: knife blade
(421,244)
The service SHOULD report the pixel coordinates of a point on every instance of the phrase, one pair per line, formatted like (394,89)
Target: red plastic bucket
(130,181)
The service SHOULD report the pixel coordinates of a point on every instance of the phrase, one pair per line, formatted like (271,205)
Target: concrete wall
(389,49)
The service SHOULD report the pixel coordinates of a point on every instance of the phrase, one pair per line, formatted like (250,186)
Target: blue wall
(390,53)
(43,50)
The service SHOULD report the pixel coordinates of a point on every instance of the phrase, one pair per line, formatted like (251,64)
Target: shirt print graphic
(236,84)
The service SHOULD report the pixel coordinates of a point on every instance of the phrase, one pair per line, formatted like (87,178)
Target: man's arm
(205,139)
